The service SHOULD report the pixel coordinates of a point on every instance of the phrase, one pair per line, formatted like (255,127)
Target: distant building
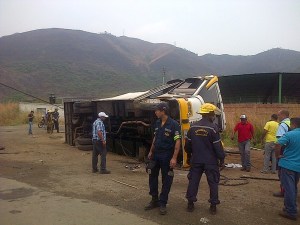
(261,88)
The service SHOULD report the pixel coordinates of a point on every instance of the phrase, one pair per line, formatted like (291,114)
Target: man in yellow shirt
(269,135)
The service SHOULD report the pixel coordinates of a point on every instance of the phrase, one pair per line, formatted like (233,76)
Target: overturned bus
(131,116)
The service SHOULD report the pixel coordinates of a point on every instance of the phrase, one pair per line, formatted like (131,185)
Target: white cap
(102,114)
(243,116)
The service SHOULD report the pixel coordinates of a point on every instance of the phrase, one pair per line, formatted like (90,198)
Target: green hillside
(74,63)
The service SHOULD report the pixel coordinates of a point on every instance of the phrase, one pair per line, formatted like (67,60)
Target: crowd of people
(205,154)
(281,138)
(51,118)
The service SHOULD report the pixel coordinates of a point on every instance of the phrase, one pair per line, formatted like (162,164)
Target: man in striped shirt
(99,144)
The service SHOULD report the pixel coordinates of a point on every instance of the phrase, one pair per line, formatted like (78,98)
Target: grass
(10,114)
(258,115)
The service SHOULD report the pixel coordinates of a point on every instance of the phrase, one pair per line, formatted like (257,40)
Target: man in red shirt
(245,134)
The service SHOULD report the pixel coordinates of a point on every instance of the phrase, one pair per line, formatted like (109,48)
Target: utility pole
(164,75)
(280,89)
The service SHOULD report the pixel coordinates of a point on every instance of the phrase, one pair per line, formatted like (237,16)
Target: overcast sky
(243,27)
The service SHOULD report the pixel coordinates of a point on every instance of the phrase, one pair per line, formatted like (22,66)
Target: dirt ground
(45,162)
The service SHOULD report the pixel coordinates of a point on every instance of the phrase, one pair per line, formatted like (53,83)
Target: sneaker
(278,194)
(248,169)
(152,205)
(190,207)
(104,171)
(243,168)
(284,214)
(264,171)
(273,172)
(162,210)
(213,209)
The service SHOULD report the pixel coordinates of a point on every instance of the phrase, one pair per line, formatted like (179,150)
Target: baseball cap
(162,107)
(243,116)
(102,114)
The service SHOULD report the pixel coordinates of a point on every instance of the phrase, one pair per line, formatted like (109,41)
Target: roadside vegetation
(11,115)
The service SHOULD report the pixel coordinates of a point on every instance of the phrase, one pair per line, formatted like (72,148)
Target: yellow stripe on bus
(185,125)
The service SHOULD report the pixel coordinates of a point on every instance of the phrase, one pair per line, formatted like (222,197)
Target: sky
(236,27)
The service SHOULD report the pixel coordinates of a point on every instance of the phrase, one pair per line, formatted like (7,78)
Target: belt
(96,140)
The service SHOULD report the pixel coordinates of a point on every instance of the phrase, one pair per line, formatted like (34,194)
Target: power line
(5,85)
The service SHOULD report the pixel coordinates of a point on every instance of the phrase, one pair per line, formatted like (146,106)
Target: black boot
(213,209)
(190,207)
(95,170)
(153,204)
(105,171)
(162,209)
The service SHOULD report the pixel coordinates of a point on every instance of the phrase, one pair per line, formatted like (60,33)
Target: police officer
(163,153)
(205,154)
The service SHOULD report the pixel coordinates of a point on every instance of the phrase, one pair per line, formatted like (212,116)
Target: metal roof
(261,88)
(124,97)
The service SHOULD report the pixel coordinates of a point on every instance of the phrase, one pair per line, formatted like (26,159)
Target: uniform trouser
(289,180)
(98,149)
(269,152)
(244,148)
(213,177)
(162,162)
(56,125)
(30,128)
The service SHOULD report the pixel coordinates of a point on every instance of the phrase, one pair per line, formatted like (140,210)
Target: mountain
(82,64)
(274,60)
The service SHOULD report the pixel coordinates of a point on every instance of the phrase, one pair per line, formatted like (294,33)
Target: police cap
(163,106)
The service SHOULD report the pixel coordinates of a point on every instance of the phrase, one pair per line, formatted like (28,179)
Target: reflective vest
(288,123)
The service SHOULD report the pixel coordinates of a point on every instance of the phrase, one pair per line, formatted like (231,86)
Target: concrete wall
(258,114)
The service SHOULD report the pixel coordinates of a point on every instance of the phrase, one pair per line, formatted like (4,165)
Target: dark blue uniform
(165,139)
(205,151)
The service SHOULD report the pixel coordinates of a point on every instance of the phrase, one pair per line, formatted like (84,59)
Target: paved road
(22,204)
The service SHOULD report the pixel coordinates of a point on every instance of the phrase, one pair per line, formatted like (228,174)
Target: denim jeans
(269,151)
(162,162)
(30,128)
(244,148)
(289,180)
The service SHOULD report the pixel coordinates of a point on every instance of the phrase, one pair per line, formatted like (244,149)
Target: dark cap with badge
(163,106)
